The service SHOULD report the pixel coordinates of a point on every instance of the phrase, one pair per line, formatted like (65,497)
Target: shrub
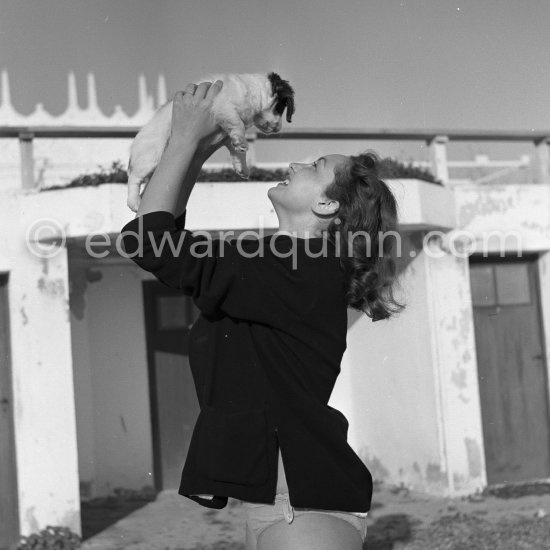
(390,168)
(51,538)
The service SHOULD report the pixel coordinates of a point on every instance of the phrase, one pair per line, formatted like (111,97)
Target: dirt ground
(516,519)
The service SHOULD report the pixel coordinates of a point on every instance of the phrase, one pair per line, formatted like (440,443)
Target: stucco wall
(388,372)
(521,210)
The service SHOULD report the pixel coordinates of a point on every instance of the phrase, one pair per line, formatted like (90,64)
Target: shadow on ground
(387,530)
(399,520)
(100,513)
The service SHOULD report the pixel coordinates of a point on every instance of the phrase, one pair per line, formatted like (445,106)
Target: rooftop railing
(436,139)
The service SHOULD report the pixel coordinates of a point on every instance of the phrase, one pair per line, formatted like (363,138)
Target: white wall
(388,371)
(521,210)
(413,400)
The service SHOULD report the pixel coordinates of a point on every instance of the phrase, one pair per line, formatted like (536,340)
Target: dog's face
(270,120)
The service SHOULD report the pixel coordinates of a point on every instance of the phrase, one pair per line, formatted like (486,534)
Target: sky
(474,64)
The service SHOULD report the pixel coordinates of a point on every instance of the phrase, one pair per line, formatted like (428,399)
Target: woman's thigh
(311,530)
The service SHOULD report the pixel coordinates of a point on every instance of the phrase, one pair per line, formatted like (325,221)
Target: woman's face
(305,186)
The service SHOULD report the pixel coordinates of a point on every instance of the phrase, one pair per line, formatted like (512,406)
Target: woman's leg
(315,531)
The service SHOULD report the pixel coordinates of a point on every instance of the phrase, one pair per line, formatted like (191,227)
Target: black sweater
(264,354)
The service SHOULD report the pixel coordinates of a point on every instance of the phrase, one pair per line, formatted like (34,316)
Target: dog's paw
(242,173)
(239,143)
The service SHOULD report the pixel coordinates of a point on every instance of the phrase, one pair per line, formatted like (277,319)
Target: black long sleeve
(222,275)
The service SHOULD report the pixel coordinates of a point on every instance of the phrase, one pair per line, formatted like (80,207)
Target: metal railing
(436,139)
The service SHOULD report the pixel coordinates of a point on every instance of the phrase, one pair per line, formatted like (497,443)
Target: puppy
(245,100)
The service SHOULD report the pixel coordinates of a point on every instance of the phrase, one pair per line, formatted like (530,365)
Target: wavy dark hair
(368,210)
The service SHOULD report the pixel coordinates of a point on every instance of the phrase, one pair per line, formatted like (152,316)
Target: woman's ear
(326,207)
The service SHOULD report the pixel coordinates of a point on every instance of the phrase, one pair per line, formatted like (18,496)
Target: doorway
(512,371)
(169,316)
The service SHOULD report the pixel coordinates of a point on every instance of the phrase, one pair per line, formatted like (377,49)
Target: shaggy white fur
(245,100)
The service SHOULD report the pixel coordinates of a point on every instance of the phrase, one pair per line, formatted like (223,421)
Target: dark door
(174,405)
(511,368)
(9,522)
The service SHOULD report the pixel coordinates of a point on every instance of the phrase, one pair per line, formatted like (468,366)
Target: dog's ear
(290,108)
(284,96)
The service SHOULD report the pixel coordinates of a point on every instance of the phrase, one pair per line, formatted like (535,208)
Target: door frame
(532,258)
(151,290)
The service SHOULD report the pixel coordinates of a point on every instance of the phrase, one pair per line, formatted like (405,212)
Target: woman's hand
(192,117)
(192,121)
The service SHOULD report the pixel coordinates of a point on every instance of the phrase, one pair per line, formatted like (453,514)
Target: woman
(266,350)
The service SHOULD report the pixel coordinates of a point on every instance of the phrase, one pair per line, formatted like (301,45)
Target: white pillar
(93,112)
(162,95)
(450,317)
(543,264)
(73,113)
(26,153)
(542,159)
(8,115)
(438,154)
(43,389)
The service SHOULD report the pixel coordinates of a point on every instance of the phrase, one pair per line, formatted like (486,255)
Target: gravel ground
(517,519)
(469,532)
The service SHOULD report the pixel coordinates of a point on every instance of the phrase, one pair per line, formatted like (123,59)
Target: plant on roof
(390,168)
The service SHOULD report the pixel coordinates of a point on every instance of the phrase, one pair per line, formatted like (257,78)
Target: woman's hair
(368,211)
